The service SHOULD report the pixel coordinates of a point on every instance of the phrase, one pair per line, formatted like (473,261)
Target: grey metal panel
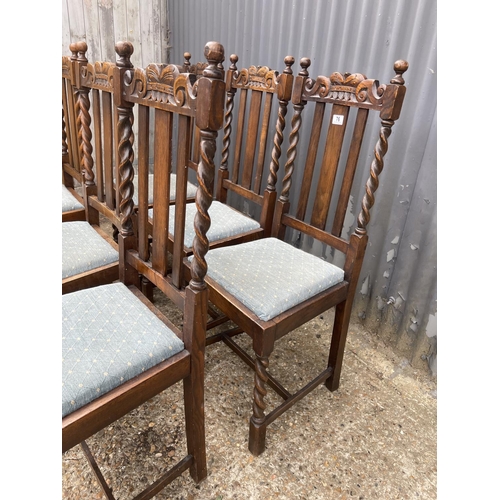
(397,290)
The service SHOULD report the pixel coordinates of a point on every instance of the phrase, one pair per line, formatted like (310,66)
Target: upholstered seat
(225,222)
(191,189)
(83,249)
(69,202)
(108,337)
(270,276)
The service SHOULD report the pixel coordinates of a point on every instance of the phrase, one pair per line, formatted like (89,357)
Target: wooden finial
(289,60)
(187,58)
(234,60)
(214,54)
(305,62)
(81,49)
(73,47)
(124,51)
(400,67)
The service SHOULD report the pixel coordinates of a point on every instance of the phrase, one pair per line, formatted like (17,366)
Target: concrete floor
(374,438)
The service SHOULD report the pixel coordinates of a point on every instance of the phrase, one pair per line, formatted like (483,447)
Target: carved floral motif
(98,75)
(163,84)
(354,88)
(257,78)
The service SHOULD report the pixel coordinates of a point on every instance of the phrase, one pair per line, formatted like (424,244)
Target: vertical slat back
(143,181)
(70,122)
(252,92)
(350,170)
(264,129)
(162,167)
(70,132)
(170,102)
(340,151)
(251,138)
(329,165)
(183,152)
(98,164)
(312,152)
(109,150)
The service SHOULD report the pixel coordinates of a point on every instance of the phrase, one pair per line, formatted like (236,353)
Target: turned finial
(305,62)
(187,58)
(234,60)
(81,48)
(214,54)
(73,47)
(289,60)
(124,51)
(400,67)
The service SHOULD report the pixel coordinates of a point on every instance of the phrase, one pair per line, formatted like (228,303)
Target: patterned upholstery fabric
(270,276)
(108,337)
(191,189)
(84,249)
(69,202)
(225,222)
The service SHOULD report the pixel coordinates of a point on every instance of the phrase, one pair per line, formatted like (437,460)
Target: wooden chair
(154,354)
(269,287)
(89,254)
(255,89)
(102,190)
(72,200)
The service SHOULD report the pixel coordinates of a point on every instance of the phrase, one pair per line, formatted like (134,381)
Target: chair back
(345,99)
(252,91)
(71,155)
(173,104)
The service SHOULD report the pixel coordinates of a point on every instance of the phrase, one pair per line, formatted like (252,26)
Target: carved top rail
(348,89)
(254,78)
(162,86)
(98,75)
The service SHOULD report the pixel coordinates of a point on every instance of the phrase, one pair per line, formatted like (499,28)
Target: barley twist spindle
(125,151)
(85,136)
(209,121)
(228,117)
(64,136)
(259,392)
(294,136)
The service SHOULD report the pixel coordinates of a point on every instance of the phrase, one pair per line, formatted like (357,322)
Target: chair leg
(337,346)
(258,426)
(147,288)
(194,385)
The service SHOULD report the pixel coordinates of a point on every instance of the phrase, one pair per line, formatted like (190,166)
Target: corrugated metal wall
(397,290)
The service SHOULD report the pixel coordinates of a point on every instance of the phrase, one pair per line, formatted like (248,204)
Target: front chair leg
(337,346)
(257,437)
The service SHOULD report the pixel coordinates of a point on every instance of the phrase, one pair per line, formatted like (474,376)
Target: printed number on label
(338,119)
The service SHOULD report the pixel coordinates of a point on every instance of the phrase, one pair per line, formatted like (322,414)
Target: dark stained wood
(343,95)
(71,174)
(207,107)
(331,157)
(162,162)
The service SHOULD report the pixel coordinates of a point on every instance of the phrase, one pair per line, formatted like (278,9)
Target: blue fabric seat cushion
(69,202)
(191,189)
(83,249)
(224,222)
(108,337)
(270,276)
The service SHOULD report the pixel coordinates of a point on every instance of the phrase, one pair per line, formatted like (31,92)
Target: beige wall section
(101,23)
